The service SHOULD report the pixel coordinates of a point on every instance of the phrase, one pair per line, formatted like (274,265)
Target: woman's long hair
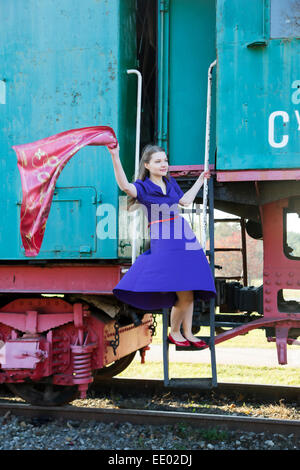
(147,153)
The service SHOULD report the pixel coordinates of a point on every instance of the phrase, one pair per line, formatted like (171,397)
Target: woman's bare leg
(182,314)
(177,314)
(187,322)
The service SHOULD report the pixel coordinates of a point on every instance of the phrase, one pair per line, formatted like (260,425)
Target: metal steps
(201,383)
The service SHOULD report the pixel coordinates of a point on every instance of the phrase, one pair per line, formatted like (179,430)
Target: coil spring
(82,364)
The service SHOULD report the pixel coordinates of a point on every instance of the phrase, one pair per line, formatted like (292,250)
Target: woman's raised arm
(190,195)
(120,175)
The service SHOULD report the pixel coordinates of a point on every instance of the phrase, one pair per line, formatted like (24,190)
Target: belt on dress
(162,220)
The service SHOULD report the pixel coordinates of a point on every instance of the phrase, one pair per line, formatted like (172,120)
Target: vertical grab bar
(211,225)
(137,150)
(206,157)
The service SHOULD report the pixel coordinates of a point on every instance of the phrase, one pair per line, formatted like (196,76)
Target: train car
(218,80)
(64,66)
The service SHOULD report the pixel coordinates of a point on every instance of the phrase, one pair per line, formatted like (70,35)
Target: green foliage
(214,435)
(293,241)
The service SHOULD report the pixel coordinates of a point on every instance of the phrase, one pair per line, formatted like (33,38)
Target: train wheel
(116,367)
(44,393)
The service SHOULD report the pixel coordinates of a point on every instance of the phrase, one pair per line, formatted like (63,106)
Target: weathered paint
(190,50)
(258,80)
(76,342)
(56,279)
(63,66)
(258,175)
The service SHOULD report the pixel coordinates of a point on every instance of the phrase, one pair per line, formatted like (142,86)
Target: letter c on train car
(285,137)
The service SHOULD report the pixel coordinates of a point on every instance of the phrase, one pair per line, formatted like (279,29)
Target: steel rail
(149,417)
(258,391)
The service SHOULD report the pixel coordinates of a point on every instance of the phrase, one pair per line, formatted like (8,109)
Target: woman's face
(158,165)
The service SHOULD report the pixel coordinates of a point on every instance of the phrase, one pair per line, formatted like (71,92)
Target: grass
(226,373)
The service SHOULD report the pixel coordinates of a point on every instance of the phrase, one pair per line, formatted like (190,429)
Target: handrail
(137,150)
(206,157)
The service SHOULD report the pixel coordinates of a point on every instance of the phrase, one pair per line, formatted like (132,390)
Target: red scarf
(40,164)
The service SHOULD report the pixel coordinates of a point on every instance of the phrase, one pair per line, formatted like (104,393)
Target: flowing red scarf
(40,163)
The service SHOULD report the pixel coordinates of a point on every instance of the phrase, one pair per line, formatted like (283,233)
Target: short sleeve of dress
(177,188)
(141,190)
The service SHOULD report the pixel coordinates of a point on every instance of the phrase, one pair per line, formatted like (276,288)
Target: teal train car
(258,88)
(64,66)
(221,80)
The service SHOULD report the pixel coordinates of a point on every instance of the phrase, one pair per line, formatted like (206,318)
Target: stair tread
(203,383)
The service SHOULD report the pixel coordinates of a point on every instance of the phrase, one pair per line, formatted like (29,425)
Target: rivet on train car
(268,282)
(278,283)
(291,274)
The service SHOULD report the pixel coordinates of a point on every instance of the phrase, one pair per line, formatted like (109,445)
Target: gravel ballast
(18,433)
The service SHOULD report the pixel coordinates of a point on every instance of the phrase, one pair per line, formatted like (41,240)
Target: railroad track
(205,421)
(155,417)
(257,391)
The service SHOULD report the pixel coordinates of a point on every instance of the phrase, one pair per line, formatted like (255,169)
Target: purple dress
(175,260)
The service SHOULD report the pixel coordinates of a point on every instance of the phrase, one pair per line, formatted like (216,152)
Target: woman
(174,270)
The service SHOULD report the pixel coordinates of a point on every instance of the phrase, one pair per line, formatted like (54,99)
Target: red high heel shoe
(198,344)
(178,343)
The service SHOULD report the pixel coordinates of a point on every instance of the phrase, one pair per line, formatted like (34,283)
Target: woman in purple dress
(174,271)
